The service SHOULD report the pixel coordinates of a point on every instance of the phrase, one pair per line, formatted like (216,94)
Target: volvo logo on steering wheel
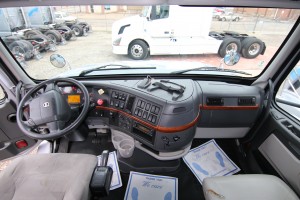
(46,104)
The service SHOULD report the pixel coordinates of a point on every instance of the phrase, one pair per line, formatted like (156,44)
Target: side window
(159,12)
(288,96)
(2,94)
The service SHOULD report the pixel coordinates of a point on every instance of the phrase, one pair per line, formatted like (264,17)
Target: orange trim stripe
(157,128)
(206,107)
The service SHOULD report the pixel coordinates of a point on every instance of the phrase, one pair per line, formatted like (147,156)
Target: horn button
(49,107)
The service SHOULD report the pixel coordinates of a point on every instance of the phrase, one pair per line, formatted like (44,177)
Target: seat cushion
(48,177)
(247,187)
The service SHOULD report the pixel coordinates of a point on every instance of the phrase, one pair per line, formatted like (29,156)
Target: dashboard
(166,115)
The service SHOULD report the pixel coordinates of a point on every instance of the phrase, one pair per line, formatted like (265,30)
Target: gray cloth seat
(247,187)
(48,177)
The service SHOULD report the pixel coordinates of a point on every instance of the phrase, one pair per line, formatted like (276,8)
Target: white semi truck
(175,30)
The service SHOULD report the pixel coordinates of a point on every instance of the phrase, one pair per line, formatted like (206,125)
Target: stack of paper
(208,160)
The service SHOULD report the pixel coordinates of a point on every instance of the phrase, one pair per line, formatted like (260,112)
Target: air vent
(247,101)
(179,110)
(215,101)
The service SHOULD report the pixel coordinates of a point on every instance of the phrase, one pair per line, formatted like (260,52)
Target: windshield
(171,39)
(145,11)
(64,14)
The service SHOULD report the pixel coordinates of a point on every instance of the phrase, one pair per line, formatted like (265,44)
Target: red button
(100,102)
(21,144)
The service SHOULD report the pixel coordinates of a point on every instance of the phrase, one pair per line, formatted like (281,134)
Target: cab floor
(188,185)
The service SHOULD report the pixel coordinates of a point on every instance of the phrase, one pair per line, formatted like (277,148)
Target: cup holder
(116,140)
(123,143)
(126,148)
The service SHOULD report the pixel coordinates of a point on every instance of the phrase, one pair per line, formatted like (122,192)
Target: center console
(160,123)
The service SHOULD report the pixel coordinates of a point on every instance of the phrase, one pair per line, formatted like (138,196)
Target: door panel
(284,162)
(161,32)
(9,130)
(279,138)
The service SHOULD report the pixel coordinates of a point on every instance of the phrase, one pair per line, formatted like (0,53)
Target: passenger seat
(247,187)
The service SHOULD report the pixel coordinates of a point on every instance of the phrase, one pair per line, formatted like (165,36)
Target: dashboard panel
(167,119)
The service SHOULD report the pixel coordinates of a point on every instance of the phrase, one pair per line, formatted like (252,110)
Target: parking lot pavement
(96,49)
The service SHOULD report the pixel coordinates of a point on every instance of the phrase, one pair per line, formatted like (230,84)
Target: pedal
(96,140)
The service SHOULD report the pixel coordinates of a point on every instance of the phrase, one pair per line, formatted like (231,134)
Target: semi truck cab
(176,30)
(165,30)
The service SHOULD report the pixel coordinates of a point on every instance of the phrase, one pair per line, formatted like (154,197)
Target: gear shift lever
(101,179)
(104,158)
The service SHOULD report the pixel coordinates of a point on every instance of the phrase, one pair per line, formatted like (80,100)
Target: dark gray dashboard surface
(166,120)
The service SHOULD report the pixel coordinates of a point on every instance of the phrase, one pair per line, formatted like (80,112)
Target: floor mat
(188,185)
(209,160)
(148,187)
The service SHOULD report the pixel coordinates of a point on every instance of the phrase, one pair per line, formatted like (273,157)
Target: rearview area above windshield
(158,39)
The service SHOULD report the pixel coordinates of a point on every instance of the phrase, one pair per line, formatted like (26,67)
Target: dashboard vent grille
(215,101)
(246,101)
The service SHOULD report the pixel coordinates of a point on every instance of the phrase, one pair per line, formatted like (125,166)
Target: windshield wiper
(103,67)
(210,69)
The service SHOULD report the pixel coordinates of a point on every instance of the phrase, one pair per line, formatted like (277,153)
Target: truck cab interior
(54,126)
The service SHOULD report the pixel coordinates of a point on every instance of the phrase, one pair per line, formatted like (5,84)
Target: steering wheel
(49,109)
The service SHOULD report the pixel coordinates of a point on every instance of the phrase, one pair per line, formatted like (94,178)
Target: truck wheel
(67,36)
(28,49)
(86,25)
(138,50)
(236,19)
(22,48)
(251,47)
(54,35)
(223,19)
(229,44)
(29,34)
(78,30)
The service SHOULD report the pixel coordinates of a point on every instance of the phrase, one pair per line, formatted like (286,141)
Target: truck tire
(236,19)
(78,30)
(86,25)
(251,47)
(30,33)
(54,35)
(138,50)
(223,19)
(22,47)
(67,36)
(28,49)
(229,44)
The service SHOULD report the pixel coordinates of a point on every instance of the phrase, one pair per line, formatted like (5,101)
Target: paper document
(116,180)
(148,187)
(208,160)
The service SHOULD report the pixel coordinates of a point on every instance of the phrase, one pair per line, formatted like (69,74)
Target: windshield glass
(64,14)
(172,40)
(145,11)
